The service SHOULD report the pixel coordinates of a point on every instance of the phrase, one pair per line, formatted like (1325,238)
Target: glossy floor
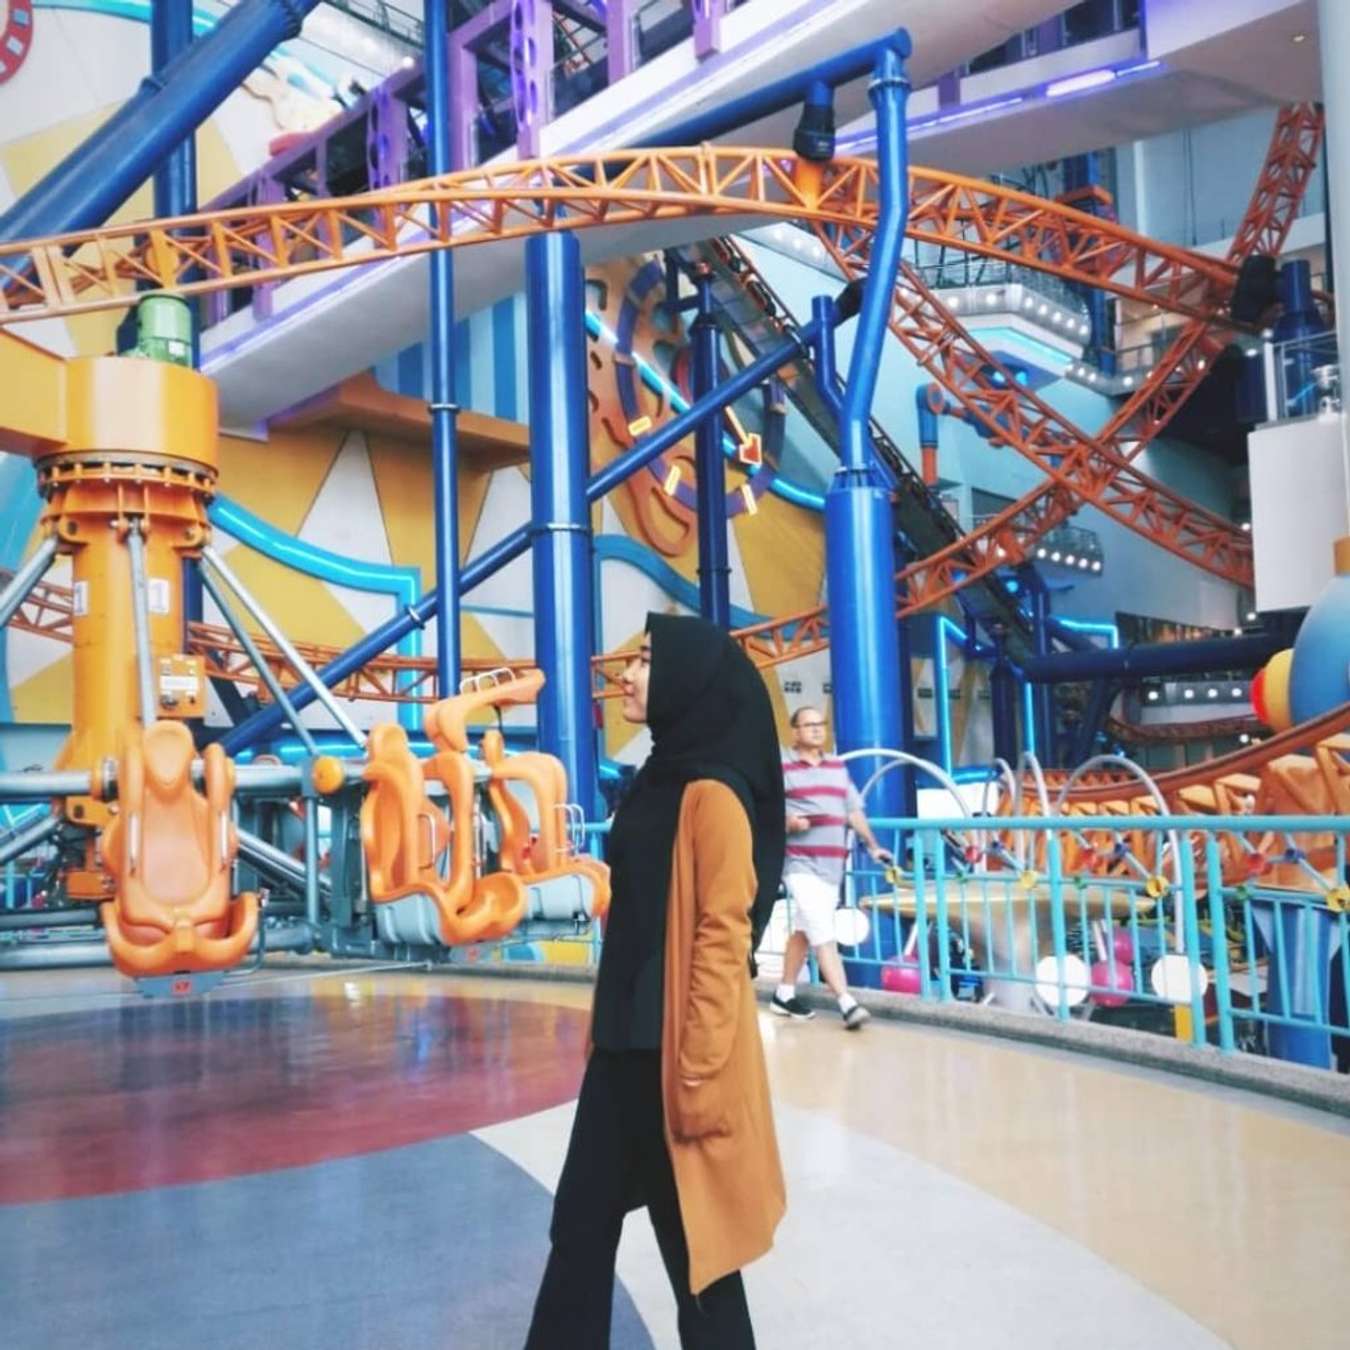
(321,1157)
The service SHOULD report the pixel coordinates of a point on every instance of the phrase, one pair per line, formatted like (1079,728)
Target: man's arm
(858,820)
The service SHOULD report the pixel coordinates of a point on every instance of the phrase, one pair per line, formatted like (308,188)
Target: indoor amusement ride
(167,841)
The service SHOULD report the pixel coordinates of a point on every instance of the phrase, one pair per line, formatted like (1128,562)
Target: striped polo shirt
(825,795)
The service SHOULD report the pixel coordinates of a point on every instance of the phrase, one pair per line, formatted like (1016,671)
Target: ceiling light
(1129,382)
(1085,328)
(1244,739)
(1251,616)
(1237,632)
(1040,553)
(1057,317)
(1246,527)
(1188,693)
(1299,37)
(1054,557)
(1200,364)
(1069,560)
(1097,565)
(1153,695)
(1028,303)
(1082,562)
(407,63)
(1043,310)
(1092,378)
(955,303)
(1076,84)
(1211,693)
(1237,693)
(991,299)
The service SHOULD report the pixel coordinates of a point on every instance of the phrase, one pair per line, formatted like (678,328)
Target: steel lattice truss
(248,246)
(97,270)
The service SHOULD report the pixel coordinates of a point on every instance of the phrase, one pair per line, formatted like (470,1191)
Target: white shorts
(814,901)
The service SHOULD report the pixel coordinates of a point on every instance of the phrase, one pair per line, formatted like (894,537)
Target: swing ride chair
(429,877)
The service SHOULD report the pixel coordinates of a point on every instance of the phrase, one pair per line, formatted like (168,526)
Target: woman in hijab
(674,1109)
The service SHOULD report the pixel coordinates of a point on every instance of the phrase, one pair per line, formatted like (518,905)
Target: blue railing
(985,910)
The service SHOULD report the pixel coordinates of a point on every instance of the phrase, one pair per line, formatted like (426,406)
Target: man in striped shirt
(821,804)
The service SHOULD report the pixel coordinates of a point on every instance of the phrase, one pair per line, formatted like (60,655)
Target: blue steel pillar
(714,567)
(444,457)
(561,514)
(859,531)
(176,195)
(1081,174)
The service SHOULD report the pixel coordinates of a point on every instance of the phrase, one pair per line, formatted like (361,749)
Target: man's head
(809,731)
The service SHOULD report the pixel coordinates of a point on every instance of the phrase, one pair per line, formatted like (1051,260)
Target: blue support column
(859,530)
(1081,174)
(714,567)
(444,457)
(561,513)
(176,195)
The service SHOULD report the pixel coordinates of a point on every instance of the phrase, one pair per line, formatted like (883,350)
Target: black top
(710,718)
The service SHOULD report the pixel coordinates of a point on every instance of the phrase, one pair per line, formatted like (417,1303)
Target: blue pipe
(832,72)
(106,168)
(176,176)
(1158,658)
(176,195)
(889,92)
(714,564)
(561,527)
(513,545)
(444,450)
(865,638)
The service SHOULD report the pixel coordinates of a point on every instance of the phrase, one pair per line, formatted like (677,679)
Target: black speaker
(1256,290)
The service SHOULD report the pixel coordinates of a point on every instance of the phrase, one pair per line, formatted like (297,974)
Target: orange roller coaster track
(191,255)
(81,272)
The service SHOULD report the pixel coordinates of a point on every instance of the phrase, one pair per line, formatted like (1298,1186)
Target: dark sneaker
(855,1017)
(791,1007)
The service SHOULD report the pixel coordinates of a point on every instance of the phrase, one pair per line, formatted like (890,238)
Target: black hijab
(710,717)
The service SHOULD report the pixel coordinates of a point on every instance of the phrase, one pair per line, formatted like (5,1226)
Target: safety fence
(1228,931)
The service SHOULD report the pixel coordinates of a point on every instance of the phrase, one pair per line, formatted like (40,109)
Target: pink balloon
(1124,947)
(1107,975)
(901,979)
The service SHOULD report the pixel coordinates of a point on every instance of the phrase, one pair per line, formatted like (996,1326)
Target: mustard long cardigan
(720,1134)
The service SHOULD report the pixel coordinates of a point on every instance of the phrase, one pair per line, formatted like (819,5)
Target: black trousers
(617,1159)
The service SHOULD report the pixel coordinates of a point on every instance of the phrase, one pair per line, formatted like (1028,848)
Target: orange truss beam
(193,255)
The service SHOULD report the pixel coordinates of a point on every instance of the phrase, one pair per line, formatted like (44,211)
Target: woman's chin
(632,713)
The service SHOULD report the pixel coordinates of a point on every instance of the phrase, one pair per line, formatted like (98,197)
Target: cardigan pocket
(701,1112)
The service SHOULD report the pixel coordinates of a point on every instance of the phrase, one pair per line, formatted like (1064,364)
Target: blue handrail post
(444,409)
(1218,928)
(859,530)
(714,568)
(561,525)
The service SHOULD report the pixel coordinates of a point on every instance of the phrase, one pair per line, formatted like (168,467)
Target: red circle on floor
(159,1094)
